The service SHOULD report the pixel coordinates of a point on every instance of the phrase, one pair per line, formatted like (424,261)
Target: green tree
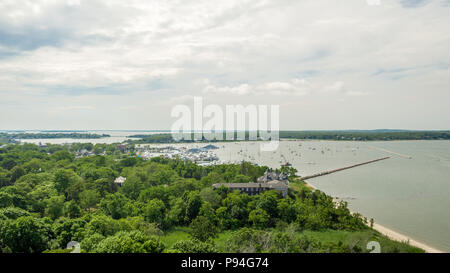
(177,212)
(89,243)
(207,211)
(129,162)
(210,195)
(193,205)
(4,179)
(132,187)
(202,229)
(55,206)
(104,186)
(103,225)
(157,192)
(224,218)
(89,199)
(25,235)
(72,210)
(37,198)
(64,179)
(240,178)
(67,230)
(286,210)
(12,213)
(268,202)
(130,242)
(6,200)
(154,211)
(193,246)
(16,173)
(62,155)
(259,218)
(115,205)
(290,171)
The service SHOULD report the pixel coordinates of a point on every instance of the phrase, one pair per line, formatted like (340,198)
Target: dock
(342,169)
(390,152)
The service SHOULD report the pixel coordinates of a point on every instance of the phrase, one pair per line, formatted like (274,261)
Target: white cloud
(242,89)
(310,53)
(295,87)
(357,93)
(74,107)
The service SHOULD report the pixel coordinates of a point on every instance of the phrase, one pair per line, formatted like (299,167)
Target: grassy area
(296,184)
(221,240)
(182,233)
(174,235)
(361,238)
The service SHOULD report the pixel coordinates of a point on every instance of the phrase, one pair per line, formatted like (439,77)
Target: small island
(8,137)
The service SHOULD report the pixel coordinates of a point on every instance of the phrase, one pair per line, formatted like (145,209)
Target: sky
(113,64)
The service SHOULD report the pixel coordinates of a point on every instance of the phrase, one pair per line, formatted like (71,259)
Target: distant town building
(210,147)
(273,176)
(120,181)
(194,150)
(42,145)
(270,181)
(122,148)
(83,153)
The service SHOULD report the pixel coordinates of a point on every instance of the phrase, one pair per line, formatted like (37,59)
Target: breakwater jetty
(390,152)
(342,169)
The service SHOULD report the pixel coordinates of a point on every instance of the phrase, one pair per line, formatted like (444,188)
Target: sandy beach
(402,238)
(395,235)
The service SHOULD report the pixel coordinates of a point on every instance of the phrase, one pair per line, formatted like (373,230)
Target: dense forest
(373,135)
(49,198)
(155,138)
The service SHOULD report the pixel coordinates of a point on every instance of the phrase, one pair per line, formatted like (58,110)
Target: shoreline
(394,235)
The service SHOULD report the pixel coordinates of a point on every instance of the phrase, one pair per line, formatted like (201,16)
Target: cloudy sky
(114,64)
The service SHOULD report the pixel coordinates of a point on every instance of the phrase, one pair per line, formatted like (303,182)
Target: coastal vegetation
(5,137)
(49,197)
(369,135)
(186,138)
(166,138)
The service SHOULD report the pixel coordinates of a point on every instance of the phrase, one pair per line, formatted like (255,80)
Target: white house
(120,181)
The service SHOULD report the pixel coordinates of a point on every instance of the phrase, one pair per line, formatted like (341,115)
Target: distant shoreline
(394,235)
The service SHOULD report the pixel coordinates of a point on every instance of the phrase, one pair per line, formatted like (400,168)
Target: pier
(342,169)
(390,152)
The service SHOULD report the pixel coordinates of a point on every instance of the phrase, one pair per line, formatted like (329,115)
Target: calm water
(411,196)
